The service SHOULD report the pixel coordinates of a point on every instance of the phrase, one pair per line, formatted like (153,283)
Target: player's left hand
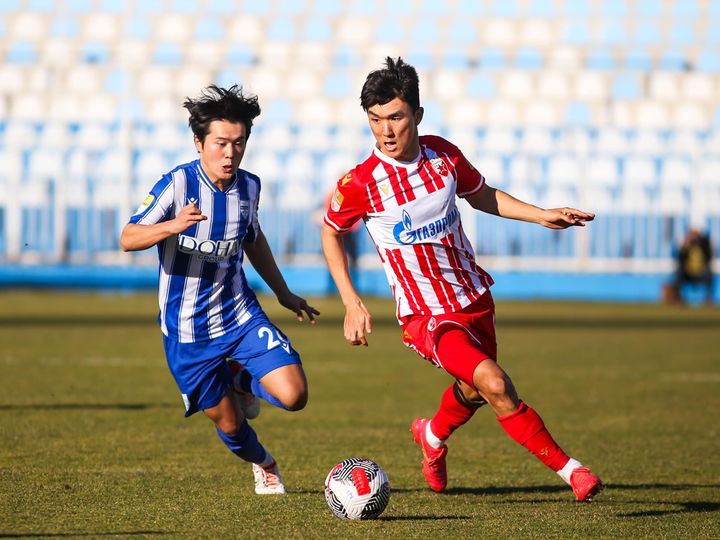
(297,305)
(562,218)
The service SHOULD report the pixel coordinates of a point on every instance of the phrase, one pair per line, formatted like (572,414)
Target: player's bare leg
(289,385)
(241,439)
(525,427)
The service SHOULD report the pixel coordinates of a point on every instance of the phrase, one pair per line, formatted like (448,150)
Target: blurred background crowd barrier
(607,105)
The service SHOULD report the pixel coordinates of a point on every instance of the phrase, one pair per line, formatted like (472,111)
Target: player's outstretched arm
(262,259)
(136,237)
(358,321)
(497,202)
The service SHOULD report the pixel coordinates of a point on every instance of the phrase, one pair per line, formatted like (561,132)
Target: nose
(387,129)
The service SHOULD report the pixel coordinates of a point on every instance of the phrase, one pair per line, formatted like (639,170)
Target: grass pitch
(93,442)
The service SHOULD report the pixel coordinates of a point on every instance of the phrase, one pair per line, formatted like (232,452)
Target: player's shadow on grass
(684,508)
(85,407)
(421,518)
(76,534)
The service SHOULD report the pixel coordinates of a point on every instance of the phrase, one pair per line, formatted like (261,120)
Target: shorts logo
(432,324)
(186,401)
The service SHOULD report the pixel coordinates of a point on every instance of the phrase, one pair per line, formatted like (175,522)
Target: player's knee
(495,387)
(295,401)
(229,426)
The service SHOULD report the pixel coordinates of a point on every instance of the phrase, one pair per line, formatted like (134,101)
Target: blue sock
(244,443)
(258,389)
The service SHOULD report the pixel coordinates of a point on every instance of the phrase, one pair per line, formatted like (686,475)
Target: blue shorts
(201,370)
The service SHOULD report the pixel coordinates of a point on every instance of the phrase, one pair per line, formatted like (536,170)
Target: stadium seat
(639,172)
(602,172)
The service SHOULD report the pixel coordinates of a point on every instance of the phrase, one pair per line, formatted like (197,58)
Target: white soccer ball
(357,488)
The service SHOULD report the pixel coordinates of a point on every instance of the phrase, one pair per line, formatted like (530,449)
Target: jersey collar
(206,179)
(394,162)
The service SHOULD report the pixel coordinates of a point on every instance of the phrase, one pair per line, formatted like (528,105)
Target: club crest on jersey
(440,166)
(244,209)
(404,232)
(208,250)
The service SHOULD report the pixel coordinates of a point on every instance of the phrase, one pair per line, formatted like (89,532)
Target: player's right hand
(358,322)
(187,217)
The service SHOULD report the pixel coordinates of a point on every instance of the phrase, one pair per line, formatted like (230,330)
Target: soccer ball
(357,488)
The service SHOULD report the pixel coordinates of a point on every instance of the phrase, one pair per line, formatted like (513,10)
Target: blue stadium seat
(709,60)
(601,59)
(363,7)
(528,58)
(22,52)
(578,114)
(613,33)
(470,8)
(9,6)
(674,60)
(186,6)
(626,86)
(578,8)
(238,54)
(577,32)
(647,32)
(113,6)
(328,7)
(44,6)
(686,8)
(317,29)
(167,54)
(613,8)
(219,7)
(137,27)
(506,8)
(95,53)
(682,34)
(492,58)
(648,8)
(148,7)
(425,31)
(64,26)
(461,31)
(541,8)
(209,28)
(482,85)
(282,29)
(638,59)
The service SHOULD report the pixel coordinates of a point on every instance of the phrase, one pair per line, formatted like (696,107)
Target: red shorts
(422,333)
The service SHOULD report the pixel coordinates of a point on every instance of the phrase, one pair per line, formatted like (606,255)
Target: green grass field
(93,442)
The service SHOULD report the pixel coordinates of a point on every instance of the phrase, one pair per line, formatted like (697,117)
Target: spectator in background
(694,265)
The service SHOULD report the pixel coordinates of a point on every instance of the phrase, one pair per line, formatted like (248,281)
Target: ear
(198,144)
(419,115)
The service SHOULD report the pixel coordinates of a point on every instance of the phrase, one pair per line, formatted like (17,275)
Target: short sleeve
(469,179)
(158,205)
(347,204)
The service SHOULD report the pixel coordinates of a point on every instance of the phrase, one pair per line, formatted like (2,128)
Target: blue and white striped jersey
(203,292)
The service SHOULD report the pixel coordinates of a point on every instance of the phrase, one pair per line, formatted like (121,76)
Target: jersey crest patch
(440,166)
(346,179)
(337,200)
(145,204)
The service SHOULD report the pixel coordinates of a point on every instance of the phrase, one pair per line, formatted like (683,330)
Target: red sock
(451,415)
(527,429)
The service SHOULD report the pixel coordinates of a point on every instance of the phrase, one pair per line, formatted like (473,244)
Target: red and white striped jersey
(410,212)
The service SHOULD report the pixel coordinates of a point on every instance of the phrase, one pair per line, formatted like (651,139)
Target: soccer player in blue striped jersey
(203,218)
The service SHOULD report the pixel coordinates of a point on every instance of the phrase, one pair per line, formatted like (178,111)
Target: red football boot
(585,484)
(433,463)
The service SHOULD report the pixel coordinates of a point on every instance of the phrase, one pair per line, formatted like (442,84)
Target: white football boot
(268,480)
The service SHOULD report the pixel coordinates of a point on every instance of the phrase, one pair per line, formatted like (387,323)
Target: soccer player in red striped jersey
(405,192)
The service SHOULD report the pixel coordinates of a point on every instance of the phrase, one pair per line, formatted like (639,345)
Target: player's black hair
(396,80)
(217,103)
